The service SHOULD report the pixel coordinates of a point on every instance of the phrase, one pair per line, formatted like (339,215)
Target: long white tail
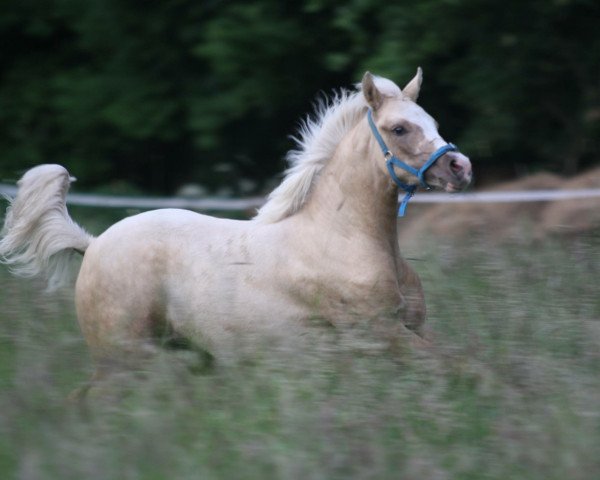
(39,237)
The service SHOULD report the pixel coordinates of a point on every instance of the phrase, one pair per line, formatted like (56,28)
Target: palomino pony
(323,246)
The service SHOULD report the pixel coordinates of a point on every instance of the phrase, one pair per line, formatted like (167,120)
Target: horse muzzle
(453,172)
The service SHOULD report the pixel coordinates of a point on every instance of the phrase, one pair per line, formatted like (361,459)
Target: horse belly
(219,301)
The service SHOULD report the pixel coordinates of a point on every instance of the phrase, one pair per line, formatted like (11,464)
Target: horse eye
(399,131)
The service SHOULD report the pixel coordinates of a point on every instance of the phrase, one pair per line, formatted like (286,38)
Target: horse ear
(412,88)
(372,95)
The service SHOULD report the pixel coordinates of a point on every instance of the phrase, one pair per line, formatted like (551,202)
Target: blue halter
(392,160)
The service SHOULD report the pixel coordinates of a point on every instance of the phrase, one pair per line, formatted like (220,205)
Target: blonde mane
(316,141)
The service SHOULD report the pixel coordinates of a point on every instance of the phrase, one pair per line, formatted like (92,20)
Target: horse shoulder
(338,276)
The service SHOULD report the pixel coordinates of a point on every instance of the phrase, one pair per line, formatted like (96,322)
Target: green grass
(512,389)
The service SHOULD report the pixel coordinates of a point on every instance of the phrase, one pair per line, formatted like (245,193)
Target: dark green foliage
(164,93)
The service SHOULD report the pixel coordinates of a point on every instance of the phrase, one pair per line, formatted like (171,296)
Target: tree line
(153,95)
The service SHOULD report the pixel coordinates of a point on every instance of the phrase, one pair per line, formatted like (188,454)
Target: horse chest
(338,293)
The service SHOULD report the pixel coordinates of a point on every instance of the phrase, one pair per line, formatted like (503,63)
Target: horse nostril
(455,166)
(459,167)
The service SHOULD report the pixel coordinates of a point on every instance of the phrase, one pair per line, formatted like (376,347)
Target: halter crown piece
(391,160)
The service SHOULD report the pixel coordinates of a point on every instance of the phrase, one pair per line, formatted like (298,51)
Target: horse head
(414,151)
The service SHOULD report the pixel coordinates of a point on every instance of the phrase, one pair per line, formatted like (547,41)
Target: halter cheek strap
(392,161)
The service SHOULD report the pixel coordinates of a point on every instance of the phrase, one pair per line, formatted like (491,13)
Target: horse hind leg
(119,366)
(116,370)
(101,386)
(127,343)
(197,360)
(117,324)
(111,381)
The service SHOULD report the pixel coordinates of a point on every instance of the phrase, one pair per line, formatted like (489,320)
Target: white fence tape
(232,204)
(508,196)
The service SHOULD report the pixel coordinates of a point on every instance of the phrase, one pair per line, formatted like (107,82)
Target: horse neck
(353,195)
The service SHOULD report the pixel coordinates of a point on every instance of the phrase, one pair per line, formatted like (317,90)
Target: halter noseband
(391,160)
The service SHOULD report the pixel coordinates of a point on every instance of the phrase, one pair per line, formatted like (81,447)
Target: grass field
(511,390)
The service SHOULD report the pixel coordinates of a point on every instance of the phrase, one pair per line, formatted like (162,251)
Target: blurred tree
(523,77)
(163,93)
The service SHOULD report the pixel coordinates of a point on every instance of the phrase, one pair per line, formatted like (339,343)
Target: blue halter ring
(391,161)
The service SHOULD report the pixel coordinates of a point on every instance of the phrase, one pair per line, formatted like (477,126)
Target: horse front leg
(415,311)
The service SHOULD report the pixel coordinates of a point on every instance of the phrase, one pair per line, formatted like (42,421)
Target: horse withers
(323,246)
